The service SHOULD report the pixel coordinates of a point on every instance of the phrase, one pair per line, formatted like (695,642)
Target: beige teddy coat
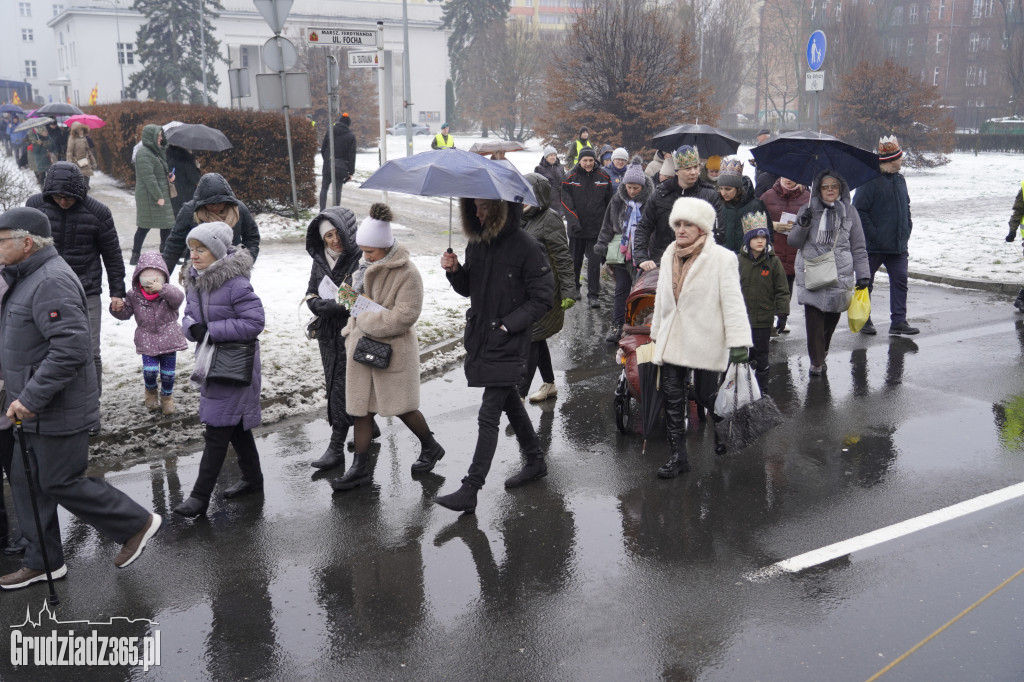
(395,284)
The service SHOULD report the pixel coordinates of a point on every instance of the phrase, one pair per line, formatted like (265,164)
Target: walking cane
(30,479)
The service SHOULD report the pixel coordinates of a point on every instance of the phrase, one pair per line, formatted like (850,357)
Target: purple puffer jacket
(232,312)
(158,332)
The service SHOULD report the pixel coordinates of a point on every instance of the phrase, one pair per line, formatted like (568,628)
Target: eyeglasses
(824,187)
(7,239)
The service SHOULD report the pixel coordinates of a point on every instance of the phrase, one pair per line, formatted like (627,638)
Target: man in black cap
(576,146)
(586,192)
(46,356)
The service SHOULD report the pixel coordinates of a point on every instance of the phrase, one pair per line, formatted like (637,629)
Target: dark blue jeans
(896,266)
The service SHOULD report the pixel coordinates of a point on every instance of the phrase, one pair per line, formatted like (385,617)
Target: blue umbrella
(452,173)
(802,154)
(11,109)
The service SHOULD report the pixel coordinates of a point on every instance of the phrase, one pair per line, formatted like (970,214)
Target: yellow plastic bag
(859,311)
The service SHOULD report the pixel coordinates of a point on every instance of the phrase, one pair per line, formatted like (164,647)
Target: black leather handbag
(232,362)
(372,353)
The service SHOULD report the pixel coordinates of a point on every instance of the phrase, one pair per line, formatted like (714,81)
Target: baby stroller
(636,332)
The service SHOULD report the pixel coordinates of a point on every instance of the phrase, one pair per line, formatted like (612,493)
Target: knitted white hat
(620,153)
(375,230)
(694,210)
(215,236)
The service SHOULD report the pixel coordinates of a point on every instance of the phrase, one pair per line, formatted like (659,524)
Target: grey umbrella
(196,136)
(34,123)
(58,109)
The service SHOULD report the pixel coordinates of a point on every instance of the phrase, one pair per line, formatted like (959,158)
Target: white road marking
(897,530)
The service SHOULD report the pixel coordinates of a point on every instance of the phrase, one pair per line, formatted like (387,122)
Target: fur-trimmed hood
(844,189)
(505,216)
(237,263)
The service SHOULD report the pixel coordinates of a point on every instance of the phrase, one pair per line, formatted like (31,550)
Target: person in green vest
(1015,224)
(443,140)
(582,140)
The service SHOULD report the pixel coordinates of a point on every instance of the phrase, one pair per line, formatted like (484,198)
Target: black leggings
(140,237)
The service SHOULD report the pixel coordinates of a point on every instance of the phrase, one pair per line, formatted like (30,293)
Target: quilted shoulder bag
(372,353)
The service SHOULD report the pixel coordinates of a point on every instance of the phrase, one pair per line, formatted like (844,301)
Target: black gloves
(1012,234)
(804,219)
(600,250)
(863,283)
(198,331)
(325,307)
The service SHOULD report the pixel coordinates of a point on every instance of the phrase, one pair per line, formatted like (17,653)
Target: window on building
(942,8)
(910,47)
(976,8)
(972,74)
(25,9)
(244,57)
(986,43)
(912,14)
(27,36)
(982,76)
(972,42)
(528,19)
(897,16)
(527,3)
(30,68)
(57,9)
(938,43)
(839,12)
(126,53)
(814,10)
(935,76)
(988,7)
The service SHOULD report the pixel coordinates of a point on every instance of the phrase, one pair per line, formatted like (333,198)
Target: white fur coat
(710,317)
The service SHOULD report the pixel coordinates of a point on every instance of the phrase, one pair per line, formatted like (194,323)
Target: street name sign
(351,37)
(363,60)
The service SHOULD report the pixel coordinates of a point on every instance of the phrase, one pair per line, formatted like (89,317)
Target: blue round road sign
(816,50)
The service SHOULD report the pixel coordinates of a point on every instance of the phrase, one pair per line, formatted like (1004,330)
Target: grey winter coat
(84,235)
(223,298)
(851,256)
(333,316)
(45,346)
(212,189)
(157,332)
(617,213)
(151,182)
(544,225)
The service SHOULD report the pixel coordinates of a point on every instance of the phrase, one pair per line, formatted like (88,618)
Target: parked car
(417,129)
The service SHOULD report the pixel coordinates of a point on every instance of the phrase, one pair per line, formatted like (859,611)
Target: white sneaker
(544,392)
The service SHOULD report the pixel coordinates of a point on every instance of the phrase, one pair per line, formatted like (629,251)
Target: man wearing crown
(884,207)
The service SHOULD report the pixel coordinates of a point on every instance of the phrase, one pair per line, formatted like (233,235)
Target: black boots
(356,475)
(534,469)
(430,454)
(679,464)
(462,500)
(243,487)
(334,455)
(614,334)
(1018,303)
(192,507)
(134,260)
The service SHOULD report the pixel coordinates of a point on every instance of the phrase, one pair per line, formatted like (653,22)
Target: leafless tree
(783,38)
(1013,42)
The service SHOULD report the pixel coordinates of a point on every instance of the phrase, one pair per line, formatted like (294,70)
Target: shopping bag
(859,311)
(204,356)
(739,388)
(751,414)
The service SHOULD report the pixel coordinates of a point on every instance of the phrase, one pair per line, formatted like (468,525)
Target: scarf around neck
(832,216)
(358,277)
(683,261)
(332,257)
(629,229)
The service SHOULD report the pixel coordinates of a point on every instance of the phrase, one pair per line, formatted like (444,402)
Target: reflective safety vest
(580,144)
(441,143)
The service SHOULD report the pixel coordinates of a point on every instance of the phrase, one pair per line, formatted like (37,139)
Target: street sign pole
(288,133)
(408,81)
(382,142)
(332,91)
(816,48)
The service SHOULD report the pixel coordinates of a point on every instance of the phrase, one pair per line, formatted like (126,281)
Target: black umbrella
(709,141)
(58,109)
(802,154)
(30,485)
(651,399)
(196,136)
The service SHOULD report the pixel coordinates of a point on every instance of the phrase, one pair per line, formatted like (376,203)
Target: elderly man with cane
(46,355)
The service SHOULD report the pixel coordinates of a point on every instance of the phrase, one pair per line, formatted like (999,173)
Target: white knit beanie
(325,227)
(375,230)
(620,153)
(694,210)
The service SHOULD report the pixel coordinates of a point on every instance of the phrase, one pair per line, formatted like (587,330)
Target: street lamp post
(405,73)
(120,55)
(202,39)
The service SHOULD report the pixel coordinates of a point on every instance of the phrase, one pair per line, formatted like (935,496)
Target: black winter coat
(212,189)
(333,316)
(585,197)
(45,348)
(85,233)
(555,173)
(344,151)
(508,278)
(186,175)
(884,207)
(654,234)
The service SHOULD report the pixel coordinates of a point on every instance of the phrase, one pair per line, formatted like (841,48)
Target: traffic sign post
(815,78)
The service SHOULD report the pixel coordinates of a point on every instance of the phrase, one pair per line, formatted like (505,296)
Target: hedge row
(257,166)
(989,142)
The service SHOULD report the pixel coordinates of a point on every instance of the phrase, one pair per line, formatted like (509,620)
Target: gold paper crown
(754,221)
(687,157)
(732,165)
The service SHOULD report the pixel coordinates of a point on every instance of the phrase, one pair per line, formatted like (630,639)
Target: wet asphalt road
(601,571)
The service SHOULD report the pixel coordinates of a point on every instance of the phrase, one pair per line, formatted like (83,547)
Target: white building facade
(27,51)
(92,44)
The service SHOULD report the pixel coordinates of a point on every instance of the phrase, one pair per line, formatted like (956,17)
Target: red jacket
(778,201)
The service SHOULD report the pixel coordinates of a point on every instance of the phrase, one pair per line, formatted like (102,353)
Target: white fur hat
(694,210)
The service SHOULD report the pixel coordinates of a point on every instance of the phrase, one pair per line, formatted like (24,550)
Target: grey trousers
(59,463)
(95,315)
